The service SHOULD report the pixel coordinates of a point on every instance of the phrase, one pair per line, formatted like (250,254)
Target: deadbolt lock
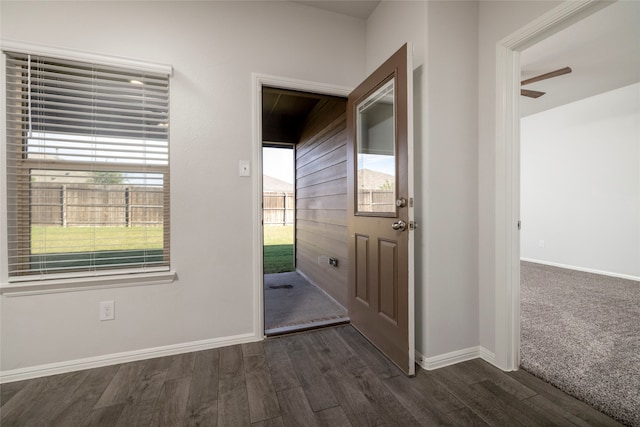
(401,202)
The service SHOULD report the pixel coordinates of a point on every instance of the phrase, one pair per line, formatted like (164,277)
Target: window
(87,168)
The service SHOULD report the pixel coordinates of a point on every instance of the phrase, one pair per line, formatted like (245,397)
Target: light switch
(244,168)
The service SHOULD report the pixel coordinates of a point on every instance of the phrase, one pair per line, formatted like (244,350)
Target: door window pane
(376,155)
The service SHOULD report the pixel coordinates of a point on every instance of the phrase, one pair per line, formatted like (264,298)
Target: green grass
(278,242)
(58,248)
(278,248)
(52,239)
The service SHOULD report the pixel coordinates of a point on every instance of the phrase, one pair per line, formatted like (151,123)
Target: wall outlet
(107,310)
(541,243)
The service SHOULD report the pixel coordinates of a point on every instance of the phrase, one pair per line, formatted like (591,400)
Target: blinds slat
(77,67)
(41,85)
(134,84)
(98,104)
(78,124)
(96,124)
(52,138)
(23,113)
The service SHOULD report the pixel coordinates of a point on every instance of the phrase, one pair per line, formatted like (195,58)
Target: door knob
(399,225)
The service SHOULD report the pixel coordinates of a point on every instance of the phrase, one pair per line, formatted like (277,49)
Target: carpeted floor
(581,333)
(290,300)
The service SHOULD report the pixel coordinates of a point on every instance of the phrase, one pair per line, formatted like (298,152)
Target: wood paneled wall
(321,198)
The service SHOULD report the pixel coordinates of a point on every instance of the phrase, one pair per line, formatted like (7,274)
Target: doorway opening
(278,208)
(303,199)
(507,168)
(586,136)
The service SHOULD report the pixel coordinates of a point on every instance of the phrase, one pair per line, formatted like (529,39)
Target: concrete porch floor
(292,303)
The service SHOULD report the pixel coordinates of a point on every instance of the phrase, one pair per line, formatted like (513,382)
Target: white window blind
(87,168)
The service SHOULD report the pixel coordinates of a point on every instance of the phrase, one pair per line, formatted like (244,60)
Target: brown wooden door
(379,154)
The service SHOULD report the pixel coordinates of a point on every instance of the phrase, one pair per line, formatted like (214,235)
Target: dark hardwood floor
(329,377)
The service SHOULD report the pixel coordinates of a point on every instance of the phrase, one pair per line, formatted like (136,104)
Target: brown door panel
(378,212)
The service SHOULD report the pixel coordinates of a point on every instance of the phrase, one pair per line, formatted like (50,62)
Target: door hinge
(519,224)
(413,225)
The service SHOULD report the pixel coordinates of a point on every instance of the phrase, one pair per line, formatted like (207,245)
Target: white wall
(444,35)
(580,184)
(498,19)
(214,47)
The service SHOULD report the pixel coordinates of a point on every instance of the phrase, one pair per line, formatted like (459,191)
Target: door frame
(258,81)
(507,171)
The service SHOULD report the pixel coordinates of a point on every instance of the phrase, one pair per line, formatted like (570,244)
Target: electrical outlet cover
(107,310)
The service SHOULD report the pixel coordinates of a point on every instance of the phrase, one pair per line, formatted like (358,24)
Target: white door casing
(507,173)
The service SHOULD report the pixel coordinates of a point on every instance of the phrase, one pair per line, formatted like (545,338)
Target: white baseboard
(487,356)
(584,269)
(447,359)
(124,357)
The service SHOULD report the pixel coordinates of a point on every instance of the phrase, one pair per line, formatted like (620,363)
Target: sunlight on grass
(55,239)
(278,235)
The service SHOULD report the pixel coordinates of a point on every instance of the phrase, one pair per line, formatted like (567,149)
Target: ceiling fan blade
(531,93)
(556,73)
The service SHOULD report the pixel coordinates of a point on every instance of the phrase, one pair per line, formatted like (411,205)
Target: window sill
(39,287)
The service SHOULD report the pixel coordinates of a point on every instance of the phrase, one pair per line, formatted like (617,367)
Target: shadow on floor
(292,303)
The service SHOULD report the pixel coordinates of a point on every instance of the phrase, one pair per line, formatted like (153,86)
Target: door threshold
(306,326)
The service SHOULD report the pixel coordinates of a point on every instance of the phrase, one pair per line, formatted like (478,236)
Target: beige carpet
(581,333)
(290,300)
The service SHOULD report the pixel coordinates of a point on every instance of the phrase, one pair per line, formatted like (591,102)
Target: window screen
(87,168)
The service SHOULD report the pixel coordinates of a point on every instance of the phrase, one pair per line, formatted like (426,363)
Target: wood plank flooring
(329,377)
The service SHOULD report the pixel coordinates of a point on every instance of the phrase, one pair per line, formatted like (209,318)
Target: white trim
(584,269)
(258,234)
(7,45)
(507,318)
(487,356)
(4,240)
(451,358)
(299,85)
(258,81)
(86,283)
(411,277)
(507,174)
(117,358)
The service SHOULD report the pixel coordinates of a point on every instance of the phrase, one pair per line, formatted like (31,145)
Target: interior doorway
(303,170)
(587,137)
(507,185)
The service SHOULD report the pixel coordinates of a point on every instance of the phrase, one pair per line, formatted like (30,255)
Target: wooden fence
(376,201)
(118,205)
(278,208)
(99,205)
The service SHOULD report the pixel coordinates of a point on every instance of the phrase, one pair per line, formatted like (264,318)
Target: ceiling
(285,112)
(356,8)
(603,50)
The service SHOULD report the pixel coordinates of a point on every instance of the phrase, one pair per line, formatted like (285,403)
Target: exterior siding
(321,198)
